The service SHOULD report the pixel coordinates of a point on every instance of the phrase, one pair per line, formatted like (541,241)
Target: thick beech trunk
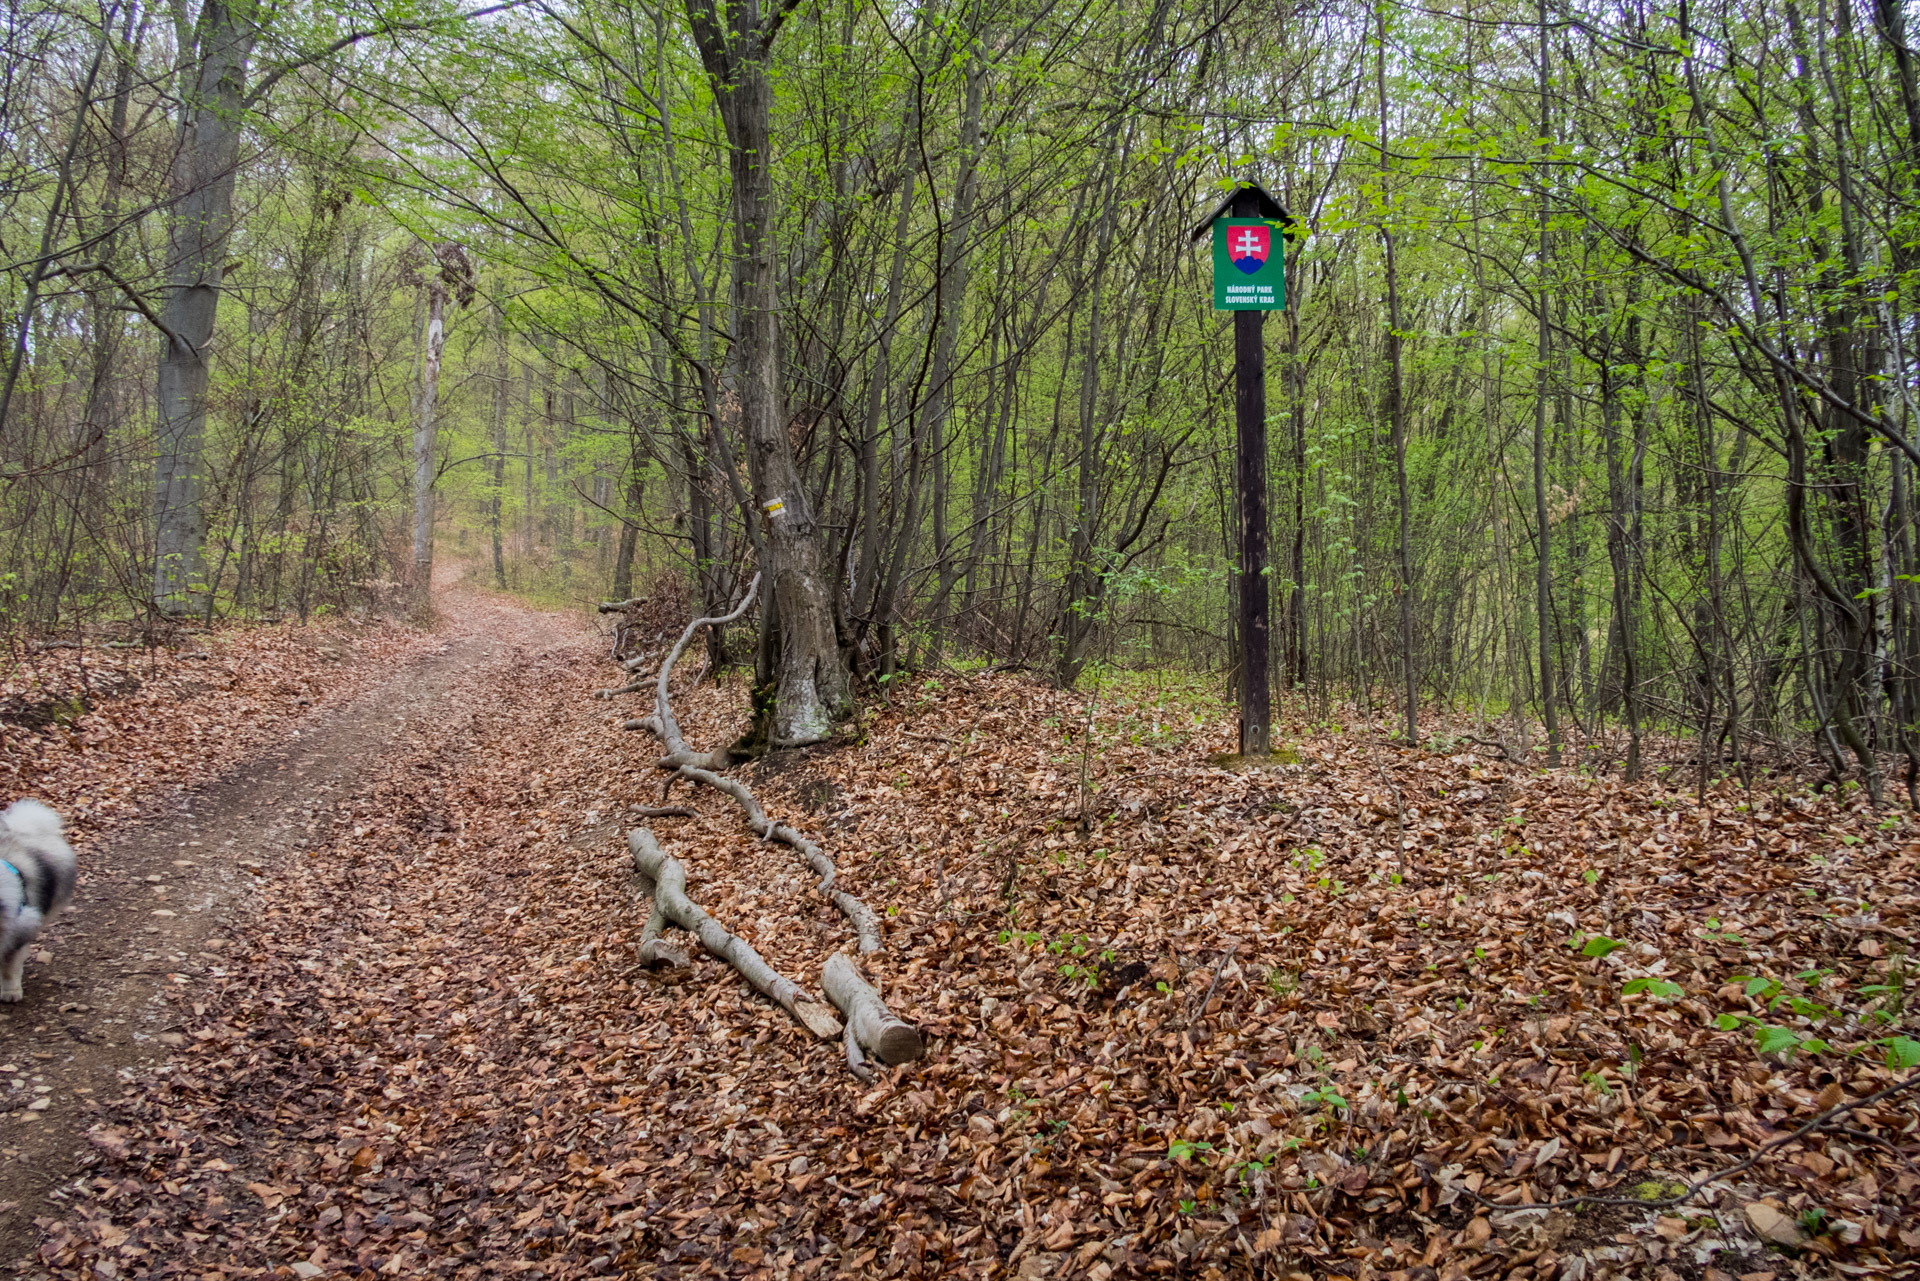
(812,685)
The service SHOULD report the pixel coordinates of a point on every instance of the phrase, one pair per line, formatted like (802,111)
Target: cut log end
(899,1043)
(876,1029)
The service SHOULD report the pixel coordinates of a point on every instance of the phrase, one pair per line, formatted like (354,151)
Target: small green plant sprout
(1664,989)
(1714,934)
(1890,997)
(1188,1205)
(1188,1150)
(1246,1169)
(1903,1052)
(1770,1038)
(1325,1097)
(1597,1083)
(1086,975)
(1161,986)
(1600,946)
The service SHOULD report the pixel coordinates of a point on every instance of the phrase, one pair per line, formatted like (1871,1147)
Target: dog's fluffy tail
(31,818)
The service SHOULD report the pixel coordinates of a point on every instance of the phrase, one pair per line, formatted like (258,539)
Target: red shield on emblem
(1248,247)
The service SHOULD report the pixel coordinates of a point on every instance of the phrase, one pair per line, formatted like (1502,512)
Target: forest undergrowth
(1376,1012)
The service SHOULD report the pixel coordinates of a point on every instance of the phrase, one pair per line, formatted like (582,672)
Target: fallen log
(705,767)
(655,950)
(634,686)
(671,905)
(872,1028)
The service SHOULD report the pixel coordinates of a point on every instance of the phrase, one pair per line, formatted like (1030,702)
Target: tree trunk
(201,187)
(1397,419)
(426,430)
(502,379)
(1543,576)
(812,686)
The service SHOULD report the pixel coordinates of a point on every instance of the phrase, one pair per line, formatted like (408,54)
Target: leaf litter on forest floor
(1351,1016)
(102,734)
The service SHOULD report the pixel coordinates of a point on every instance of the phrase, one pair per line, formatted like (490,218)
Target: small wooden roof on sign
(1265,207)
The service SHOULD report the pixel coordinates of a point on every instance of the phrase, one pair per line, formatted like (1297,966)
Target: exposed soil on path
(113,987)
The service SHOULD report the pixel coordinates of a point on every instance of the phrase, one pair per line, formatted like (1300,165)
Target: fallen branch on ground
(872,1028)
(671,905)
(634,686)
(704,767)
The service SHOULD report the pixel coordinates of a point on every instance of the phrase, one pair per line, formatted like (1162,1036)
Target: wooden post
(1250,431)
(1249,229)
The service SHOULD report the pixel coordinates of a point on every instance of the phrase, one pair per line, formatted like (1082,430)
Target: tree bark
(426,430)
(876,1029)
(503,377)
(812,685)
(1397,419)
(1543,574)
(201,218)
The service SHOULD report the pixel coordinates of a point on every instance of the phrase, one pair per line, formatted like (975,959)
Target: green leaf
(1768,1039)
(1902,1052)
(1727,1022)
(1600,945)
(1658,987)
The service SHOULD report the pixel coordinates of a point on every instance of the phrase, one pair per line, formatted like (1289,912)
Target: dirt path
(113,984)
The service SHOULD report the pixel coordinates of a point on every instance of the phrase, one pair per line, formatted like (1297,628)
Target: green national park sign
(1249,268)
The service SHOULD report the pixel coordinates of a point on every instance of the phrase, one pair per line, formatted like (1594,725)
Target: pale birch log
(669,880)
(876,1029)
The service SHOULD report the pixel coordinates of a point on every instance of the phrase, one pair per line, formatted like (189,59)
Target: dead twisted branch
(672,906)
(871,1028)
(704,767)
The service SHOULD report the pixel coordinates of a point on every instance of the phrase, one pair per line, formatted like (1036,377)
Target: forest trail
(1358,1015)
(155,915)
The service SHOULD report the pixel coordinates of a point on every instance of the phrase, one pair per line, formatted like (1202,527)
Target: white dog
(36,881)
